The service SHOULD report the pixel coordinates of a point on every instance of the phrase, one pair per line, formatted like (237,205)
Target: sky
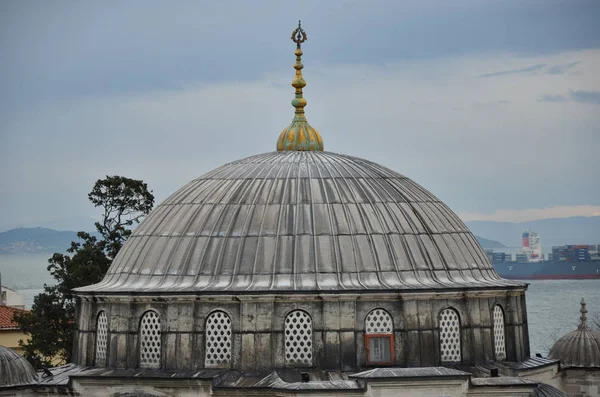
(494,106)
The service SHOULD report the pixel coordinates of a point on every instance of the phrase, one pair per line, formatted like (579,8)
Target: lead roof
(300,222)
(579,348)
(15,370)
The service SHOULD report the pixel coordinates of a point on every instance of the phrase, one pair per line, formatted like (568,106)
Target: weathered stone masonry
(338,320)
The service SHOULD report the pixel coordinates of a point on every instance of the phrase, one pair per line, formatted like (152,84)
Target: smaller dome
(545,390)
(15,369)
(579,348)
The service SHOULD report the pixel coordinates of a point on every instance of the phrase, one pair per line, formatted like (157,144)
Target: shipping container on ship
(565,262)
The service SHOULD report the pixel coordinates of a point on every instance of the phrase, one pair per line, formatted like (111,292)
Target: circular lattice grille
(449,336)
(379,321)
(150,340)
(298,338)
(101,338)
(499,342)
(218,340)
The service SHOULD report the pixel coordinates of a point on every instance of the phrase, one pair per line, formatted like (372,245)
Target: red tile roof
(6,317)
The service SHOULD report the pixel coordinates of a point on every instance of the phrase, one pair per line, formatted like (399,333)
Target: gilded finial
(583,317)
(299,135)
(299,35)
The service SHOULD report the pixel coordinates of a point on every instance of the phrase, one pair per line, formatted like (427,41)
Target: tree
(125,202)
(51,322)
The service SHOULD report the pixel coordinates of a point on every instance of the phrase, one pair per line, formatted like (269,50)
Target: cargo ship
(565,262)
(549,270)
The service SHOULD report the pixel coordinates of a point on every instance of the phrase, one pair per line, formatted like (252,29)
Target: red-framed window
(380,349)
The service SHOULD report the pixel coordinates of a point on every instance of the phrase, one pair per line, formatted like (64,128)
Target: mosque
(305,272)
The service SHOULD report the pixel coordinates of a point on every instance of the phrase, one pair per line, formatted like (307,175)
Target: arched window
(298,338)
(218,340)
(379,337)
(150,340)
(450,350)
(499,339)
(101,338)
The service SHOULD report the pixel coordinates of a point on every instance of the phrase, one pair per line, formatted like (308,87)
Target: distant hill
(63,224)
(556,231)
(35,240)
(485,243)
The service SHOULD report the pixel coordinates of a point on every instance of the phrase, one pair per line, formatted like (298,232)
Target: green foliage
(51,322)
(125,202)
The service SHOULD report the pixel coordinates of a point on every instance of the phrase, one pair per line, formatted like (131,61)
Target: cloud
(592,97)
(489,104)
(553,98)
(401,115)
(56,53)
(526,70)
(531,214)
(533,69)
(560,69)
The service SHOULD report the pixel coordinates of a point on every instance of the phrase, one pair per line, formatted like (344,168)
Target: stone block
(263,351)
(132,351)
(466,345)
(348,351)
(399,349)
(347,315)
(487,342)
(413,352)
(475,307)
(411,316)
(278,350)
(485,311)
(331,350)
(121,350)
(197,350)
(184,356)
(331,315)
(427,349)
(318,347)
(248,352)
(248,316)
(361,350)
(424,314)
(169,351)
(264,316)
(185,320)
(480,349)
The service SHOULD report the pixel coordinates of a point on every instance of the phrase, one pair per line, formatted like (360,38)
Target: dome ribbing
(300,221)
(579,348)
(15,370)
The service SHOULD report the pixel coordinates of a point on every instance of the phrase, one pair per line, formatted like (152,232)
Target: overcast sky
(494,106)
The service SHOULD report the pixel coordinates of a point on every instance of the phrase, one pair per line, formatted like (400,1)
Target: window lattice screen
(499,341)
(150,340)
(450,336)
(379,321)
(101,338)
(218,340)
(298,338)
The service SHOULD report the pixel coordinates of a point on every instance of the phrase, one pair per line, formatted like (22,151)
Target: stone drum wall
(250,332)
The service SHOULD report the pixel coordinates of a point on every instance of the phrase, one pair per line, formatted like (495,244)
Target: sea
(552,305)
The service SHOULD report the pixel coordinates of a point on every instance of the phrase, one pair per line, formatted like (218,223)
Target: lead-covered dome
(300,221)
(579,348)
(15,370)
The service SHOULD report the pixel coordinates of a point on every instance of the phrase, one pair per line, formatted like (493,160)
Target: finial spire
(299,37)
(583,317)
(299,135)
